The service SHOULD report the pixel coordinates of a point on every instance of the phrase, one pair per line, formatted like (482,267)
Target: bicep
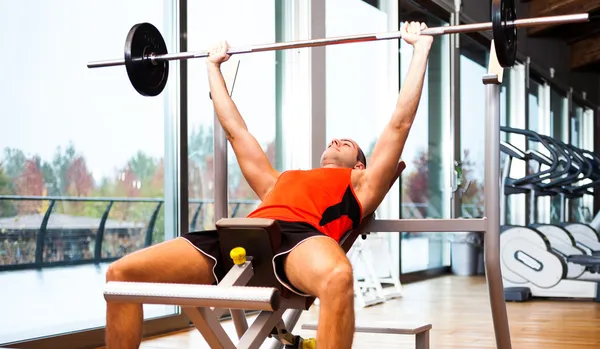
(384,163)
(255,166)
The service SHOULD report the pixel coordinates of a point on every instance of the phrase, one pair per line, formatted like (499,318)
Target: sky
(50,97)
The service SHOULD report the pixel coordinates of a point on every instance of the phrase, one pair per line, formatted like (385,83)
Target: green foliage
(60,165)
(142,165)
(14,162)
(7,207)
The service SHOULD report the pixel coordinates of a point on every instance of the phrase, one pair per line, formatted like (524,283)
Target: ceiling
(582,38)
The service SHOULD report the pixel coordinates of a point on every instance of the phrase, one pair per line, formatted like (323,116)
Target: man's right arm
(390,145)
(255,165)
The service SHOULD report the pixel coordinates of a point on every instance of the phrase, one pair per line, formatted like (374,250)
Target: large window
(82,162)
(582,136)
(516,117)
(425,187)
(88,166)
(559,119)
(539,120)
(473,66)
(255,93)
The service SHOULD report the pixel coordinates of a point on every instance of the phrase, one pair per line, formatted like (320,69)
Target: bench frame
(421,331)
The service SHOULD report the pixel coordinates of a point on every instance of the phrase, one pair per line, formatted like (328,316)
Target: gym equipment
(543,259)
(146,53)
(420,330)
(147,77)
(370,291)
(581,171)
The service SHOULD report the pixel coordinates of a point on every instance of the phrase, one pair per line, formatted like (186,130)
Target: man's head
(343,153)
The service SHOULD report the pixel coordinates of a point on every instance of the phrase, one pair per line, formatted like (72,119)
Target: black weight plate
(147,77)
(505,36)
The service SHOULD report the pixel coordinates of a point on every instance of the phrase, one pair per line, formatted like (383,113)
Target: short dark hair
(361,157)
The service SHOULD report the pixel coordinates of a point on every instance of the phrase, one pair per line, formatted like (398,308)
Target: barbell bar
(465,28)
(146,56)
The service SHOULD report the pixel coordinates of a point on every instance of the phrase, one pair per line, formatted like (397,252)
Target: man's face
(341,153)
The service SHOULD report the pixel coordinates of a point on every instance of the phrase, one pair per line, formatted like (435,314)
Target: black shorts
(292,235)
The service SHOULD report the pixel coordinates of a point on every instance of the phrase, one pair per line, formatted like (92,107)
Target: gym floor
(458,308)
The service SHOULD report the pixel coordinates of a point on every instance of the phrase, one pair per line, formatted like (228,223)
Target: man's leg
(319,267)
(173,261)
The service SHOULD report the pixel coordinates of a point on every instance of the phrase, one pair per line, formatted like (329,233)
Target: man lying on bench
(313,208)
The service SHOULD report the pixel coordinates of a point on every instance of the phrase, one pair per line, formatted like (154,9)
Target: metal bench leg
(422,340)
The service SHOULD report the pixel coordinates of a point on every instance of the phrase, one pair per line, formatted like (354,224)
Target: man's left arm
(389,147)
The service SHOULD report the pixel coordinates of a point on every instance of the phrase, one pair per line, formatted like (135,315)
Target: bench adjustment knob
(238,255)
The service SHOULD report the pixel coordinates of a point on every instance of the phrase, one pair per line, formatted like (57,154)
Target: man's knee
(338,282)
(120,270)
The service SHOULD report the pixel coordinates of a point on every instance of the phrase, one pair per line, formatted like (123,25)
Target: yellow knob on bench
(309,343)
(238,255)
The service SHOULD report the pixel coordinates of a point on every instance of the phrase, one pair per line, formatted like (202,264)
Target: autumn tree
(416,184)
(29,183)
(472,188)
(79,181)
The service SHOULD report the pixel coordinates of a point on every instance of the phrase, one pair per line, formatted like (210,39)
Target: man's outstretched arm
(253,161)
(390,145)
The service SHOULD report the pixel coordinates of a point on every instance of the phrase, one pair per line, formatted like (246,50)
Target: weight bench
(250,284)
(420,330)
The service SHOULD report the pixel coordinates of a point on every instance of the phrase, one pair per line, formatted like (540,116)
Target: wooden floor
(458,308)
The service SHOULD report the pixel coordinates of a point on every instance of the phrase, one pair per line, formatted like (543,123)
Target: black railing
(28,242)
(33,241)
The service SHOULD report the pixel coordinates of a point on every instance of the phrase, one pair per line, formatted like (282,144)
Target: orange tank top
(323,198)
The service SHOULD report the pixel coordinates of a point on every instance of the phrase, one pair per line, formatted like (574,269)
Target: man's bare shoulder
(360,186)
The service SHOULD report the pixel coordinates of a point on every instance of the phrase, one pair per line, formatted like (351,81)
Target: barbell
(147,61)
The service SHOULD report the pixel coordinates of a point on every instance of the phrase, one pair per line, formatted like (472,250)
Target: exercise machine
(542,260)
(588,164)
(369,289)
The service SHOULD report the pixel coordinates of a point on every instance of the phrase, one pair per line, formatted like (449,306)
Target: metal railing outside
(71,240)
(49,239)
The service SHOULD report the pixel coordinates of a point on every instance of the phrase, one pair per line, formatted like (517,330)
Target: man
(313,207)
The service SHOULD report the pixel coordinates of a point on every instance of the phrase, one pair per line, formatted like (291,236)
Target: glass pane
(539,121)
(582,133)
(517,117)
(504,103)
(587,204)
(559,117)
(425,182)
(82,161)
(473,63)
(254,94)
(576,121)
(534,114)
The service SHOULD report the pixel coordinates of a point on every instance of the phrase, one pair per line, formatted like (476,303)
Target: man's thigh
(172,261)
(311,262)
